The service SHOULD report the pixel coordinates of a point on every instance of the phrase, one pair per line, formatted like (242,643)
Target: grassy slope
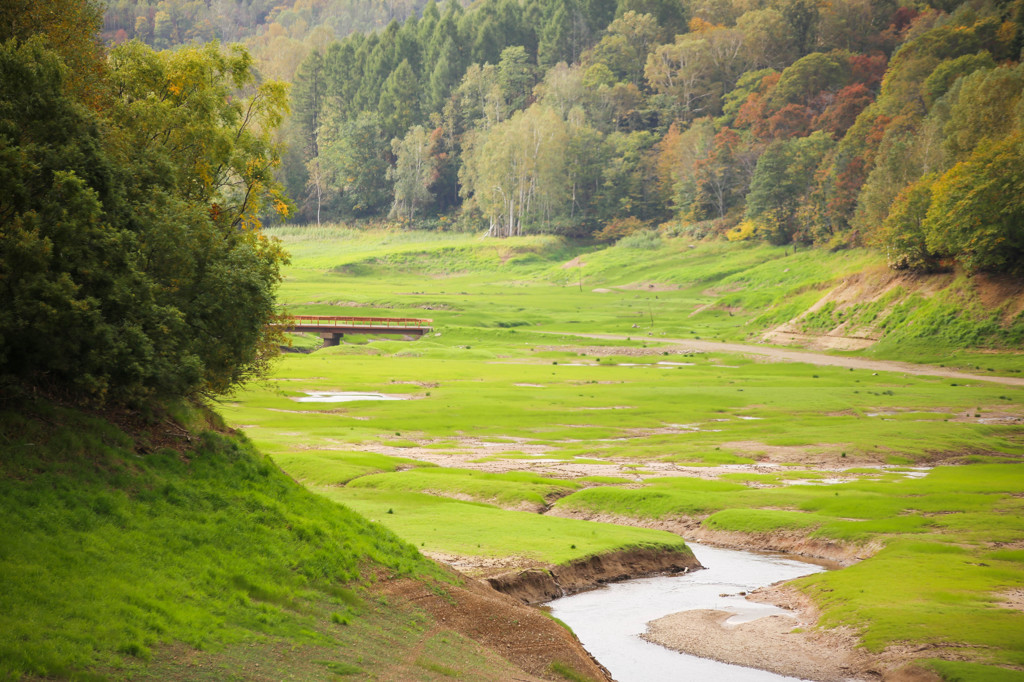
(123,558)
(489,376)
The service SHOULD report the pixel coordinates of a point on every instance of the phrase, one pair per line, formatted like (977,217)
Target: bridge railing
(332,321)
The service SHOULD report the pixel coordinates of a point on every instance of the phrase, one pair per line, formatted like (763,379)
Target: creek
(609,621)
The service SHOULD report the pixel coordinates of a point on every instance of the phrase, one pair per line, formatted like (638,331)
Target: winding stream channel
(610,620)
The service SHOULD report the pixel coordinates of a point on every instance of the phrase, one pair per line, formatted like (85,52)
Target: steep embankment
(538,585)
(171,549)
(899,315)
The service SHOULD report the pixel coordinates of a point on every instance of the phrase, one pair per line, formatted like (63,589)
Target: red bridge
(333,328)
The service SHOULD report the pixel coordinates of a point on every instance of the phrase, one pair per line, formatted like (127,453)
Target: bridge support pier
(331,338)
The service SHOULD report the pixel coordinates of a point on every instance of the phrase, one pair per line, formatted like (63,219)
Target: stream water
(610,620)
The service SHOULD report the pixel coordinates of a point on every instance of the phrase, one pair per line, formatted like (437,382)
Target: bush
(619,228)
(647,240)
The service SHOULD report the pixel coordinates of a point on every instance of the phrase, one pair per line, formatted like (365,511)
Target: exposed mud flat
(539,585)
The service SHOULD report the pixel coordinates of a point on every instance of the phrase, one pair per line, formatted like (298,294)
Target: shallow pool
(344,397)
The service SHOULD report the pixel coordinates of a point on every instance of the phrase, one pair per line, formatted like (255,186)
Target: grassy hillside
(169,548)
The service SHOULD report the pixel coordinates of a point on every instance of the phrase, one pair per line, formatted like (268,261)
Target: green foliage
(643,240)
(132,259)
(959,671)
(903,232)
(808,76)
(760,520)
(413,173)
(973,213)
(781,180)
(953,605)
(516,172)
(355,165)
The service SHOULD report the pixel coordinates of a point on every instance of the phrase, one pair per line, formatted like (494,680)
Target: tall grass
(107,551)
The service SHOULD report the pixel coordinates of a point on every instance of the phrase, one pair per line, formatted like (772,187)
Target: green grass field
(504,412)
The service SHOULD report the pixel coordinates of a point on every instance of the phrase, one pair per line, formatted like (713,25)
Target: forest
(843,123)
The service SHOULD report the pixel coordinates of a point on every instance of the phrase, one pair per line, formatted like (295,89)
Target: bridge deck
(333,328)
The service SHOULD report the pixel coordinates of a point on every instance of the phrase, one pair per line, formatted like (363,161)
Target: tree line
(836,124)
(132,265)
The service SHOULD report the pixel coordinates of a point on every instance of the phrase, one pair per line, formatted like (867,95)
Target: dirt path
(812,358)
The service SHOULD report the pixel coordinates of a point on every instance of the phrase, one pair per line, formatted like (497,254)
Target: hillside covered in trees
(830,123)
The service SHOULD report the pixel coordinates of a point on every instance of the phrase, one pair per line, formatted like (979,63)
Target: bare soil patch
(482,567)
(1012,599)
(821,455)
(523,635)
(648,286)
(999,290)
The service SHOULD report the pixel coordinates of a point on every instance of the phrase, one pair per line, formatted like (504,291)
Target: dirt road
(812,358)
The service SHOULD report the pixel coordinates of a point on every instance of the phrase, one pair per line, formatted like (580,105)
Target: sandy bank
(773,643)
(784,644)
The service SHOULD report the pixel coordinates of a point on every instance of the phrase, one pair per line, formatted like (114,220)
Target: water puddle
(344,397)
(610,620)
(651,364)
(915,472)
